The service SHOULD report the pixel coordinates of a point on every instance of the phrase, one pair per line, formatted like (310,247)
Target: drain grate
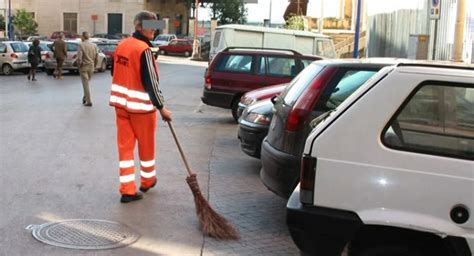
(84,234)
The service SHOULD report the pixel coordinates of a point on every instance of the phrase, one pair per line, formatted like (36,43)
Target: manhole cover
(84,234)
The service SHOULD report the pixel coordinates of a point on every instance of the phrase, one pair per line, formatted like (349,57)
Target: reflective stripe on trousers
(132,128)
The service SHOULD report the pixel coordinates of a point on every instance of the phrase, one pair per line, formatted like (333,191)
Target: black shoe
(34,79)
(144,190)
(88,104)
(83,100)
(28,77)
(131,198)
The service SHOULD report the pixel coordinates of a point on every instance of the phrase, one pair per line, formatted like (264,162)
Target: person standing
(34,58)
(60,53)
(87,58)
(135,94)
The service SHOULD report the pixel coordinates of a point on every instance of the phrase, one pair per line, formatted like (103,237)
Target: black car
(319,88)
(253,126)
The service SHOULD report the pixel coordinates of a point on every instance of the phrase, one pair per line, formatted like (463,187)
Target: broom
(211,223)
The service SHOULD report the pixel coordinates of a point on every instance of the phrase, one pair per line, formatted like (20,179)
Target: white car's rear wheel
(7,69)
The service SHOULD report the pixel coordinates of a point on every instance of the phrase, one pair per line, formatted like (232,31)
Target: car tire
(7,69)
(235,107)
(103,66)
(187,54)
(49,72)
(388,250)
(162,52)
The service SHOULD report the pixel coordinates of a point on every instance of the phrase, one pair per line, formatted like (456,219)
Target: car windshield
(161,38)
(107,47)
(19,47)
(300,83)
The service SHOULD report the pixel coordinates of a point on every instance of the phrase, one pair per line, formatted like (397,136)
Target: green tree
(295,22)
(24,23)
(230,11)
(2,22)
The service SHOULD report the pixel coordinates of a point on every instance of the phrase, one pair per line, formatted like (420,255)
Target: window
(217,38)
(71,47)
(3,48)
(19,47)
(277,66)
(235,63)
(325,48)
(349,83)
(300,83)
(70,22)
(306,63)
(437,119)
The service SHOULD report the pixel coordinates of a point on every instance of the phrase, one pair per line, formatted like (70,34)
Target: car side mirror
(274,99)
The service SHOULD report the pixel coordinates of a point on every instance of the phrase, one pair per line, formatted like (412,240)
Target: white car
(163,39)
(13,57)
(70,63)
(391,170)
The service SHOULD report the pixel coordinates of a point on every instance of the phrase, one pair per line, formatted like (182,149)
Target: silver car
(13,57)
(44,50)
(70,63)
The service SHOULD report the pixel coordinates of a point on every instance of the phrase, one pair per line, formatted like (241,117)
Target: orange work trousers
(132,128)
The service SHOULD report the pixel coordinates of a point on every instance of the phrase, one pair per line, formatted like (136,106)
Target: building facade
(102,16)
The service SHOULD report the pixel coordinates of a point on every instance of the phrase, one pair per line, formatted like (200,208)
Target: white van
(391,170)
(263,37)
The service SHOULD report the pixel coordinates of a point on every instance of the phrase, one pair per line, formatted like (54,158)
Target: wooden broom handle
(188,168)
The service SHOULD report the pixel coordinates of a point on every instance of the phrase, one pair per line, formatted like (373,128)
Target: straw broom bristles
(211,223)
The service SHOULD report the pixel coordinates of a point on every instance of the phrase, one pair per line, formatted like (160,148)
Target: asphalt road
(58,161)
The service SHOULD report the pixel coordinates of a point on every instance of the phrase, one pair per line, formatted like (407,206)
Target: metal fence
(388,33)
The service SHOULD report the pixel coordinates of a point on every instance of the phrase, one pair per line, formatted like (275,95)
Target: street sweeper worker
(136,95)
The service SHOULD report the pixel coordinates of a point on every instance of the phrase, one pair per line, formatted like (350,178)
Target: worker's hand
(165,114)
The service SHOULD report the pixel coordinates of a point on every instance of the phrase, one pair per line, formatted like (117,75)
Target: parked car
(13,57)
(67,35)
(177,46)
(394,181)
(107,36)
(235,71)
(70,63)
(319,88)
(44,51)
(251,97)
(163,39)
(41,38)
(109,50)
(253,126)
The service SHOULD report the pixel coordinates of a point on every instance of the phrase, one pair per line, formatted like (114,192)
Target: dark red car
(237,70)
(177,46)
(67,35)
(259,94)
(108,49)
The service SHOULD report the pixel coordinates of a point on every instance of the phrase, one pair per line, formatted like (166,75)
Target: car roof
(361,62)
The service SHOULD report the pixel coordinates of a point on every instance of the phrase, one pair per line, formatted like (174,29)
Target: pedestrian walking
(135,94)
(87,58)
(60,53)
(34,58)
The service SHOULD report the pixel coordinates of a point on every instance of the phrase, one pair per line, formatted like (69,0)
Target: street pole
(357,32)
(270,16)
(196,43)
(321,19)
(10,26)
(459,32)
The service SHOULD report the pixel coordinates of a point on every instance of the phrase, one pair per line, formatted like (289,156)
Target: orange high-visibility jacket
(127,89)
